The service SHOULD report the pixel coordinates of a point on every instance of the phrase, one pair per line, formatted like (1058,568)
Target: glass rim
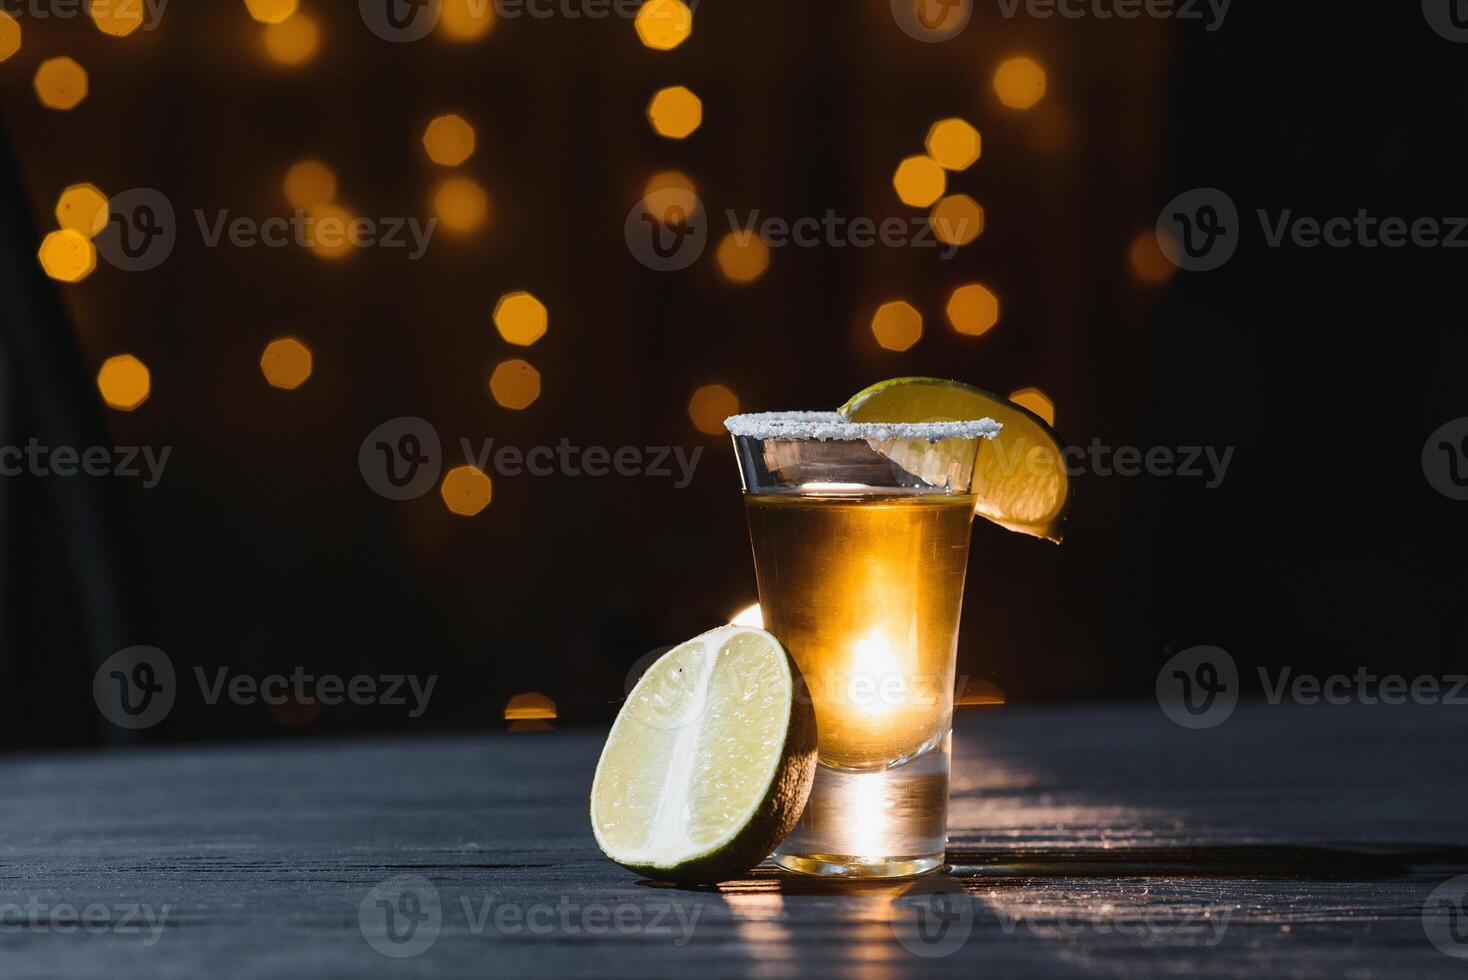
(831,427)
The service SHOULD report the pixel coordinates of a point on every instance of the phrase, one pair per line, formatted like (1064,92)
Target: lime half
(709,762)
(1019,477)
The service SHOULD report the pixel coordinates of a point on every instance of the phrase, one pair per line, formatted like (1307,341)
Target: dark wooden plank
(1086,842)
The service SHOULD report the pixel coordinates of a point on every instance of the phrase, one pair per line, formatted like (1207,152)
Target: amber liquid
(865,592)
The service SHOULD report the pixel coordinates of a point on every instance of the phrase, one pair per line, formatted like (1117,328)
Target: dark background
(263,549)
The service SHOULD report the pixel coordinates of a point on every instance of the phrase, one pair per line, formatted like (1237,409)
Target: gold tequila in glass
(860,563)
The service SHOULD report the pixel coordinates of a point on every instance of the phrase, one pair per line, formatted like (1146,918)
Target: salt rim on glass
(829,426)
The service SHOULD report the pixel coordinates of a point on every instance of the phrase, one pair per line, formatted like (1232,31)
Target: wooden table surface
(1086,841)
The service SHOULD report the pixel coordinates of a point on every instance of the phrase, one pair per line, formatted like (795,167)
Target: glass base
(884,823)
(849,866)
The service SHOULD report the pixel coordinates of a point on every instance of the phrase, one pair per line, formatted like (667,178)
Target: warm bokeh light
(710,406)
(750,615)
(68,256)
(897,325)
(515,384)
(61,83)
(664,24)
(271,11)
(449,140)
(1019,82)
(973,309)
(743,256)
(124,382)
(292,42)
(919,181)
(529,706)
(957,219)
(330,235)
(1036,401)
(675,112)
(309,184)
(465,20)
(116,17)
(286,363)
(954,144)
(82,208)
(520,318)
(1148,262)
(9,35)
(671,196)
(466,490)
(461,204)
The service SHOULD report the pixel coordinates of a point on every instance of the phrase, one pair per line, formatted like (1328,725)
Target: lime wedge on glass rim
(1019,477)
(710,761)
